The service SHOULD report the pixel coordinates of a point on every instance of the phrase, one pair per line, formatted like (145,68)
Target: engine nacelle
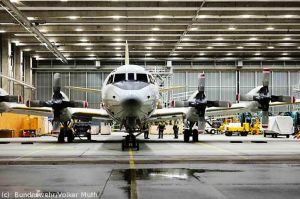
(11,98)
(79,104)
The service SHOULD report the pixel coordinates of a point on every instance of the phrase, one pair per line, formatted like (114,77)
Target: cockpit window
(130,76)
(110,79)
(141,77)
(120,77)
(151,79)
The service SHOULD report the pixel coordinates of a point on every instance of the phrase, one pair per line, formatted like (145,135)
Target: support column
(28,76)
(18,59)
(6,68)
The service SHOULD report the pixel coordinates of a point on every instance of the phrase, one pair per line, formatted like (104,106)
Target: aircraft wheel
(228,133)
(186,135)
(195,135)
(287,136)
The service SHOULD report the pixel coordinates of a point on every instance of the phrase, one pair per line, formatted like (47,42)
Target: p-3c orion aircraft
(130,96)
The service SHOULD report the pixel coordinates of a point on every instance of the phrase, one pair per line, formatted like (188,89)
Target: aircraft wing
(89,113)
(23,109)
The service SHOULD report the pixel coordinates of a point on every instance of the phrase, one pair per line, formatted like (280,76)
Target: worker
(175,129)
(146,130)
(161,128)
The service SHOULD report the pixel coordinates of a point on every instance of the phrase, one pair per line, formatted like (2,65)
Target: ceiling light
(270,28)
(270,47)
(202,16)
(231,28)
(14,1)
(253,39)
(228,54)
(219,39)
(148,54)
(2,31)
(284,54)
(84,40)
(88,48)
(36,56)
(159,16)
(43,30)
(298,47)
(92,55)
(64,0)
(240,47)
(30,18)
(185,39)
(27,49)
(179,47)
(209,47)
(174,54)
(152,39)
(117,39)
(15,41)
(257,54)
(116,17)
(193,29)
(201,54)
(117,48)
(148,47)
(155,29)
(246,16)
(288,16)
(118,54)
(117,29)
(287,38)
(79,29)
(73,17)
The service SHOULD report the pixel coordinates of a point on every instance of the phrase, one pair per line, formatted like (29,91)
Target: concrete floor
(215,167)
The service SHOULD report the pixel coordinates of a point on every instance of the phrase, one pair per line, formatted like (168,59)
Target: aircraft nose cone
(132,103)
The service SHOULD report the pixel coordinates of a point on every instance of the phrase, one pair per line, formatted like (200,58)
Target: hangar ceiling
(163,30)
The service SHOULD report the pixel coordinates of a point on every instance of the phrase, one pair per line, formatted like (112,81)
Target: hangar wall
(221,78)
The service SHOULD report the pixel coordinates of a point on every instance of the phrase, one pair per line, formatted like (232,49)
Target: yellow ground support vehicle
(237,128)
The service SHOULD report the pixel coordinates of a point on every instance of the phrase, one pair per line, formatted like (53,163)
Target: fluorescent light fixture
(84,40)
(117,39)
(118,54)
(287,38)
(179,47)
(257,54)
(284,54)
(201,54)
(159,16)
(117,29)
(240,47)
(78,29)
(117,48)
(88,48)
(155,29)
(2,31)
(73,17)
(193,29)
(148,47)
(219,39)
(231,28)
(148,54)
(92,55)
(174,54)
(271,47)
(270,28)
(27,49)
(186,39)
(152,39)
(116,17)
(253,39)
(202,16)
(209,47)
(229,54)
(288,16)
(30,18)
(246,16)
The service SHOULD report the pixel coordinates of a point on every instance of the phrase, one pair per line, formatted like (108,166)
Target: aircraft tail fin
(126,54)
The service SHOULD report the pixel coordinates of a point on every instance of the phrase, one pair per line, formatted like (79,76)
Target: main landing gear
(130,141)
(65,131)
(188,132)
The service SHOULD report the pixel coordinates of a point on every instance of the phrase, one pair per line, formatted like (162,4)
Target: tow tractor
(82,129)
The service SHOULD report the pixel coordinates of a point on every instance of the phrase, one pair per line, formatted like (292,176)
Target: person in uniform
(146,130)
(175,129)
(161,128)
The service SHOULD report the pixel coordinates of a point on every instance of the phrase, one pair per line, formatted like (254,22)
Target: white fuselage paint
(130,98)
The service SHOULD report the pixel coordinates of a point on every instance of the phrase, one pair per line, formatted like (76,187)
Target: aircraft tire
(186,135)
(195,135)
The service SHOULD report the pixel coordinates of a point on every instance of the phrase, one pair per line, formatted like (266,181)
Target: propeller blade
(201,124)
(283,98)
(265,119)
(201,82)
(56,83)
(56,125)
(266,77)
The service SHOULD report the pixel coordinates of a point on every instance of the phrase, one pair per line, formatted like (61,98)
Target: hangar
(224,74)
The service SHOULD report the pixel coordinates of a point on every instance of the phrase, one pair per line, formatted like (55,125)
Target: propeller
(263,97)
(58,103)
(200,103)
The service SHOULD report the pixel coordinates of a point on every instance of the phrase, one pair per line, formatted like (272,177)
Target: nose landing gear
(130,141)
